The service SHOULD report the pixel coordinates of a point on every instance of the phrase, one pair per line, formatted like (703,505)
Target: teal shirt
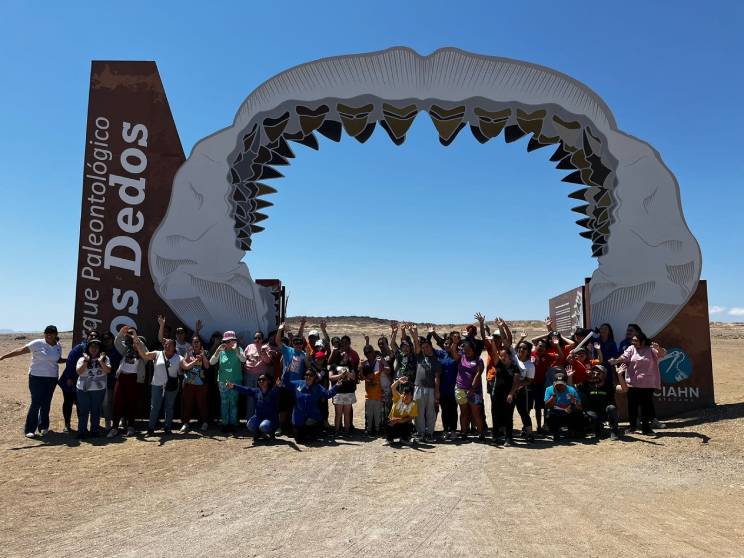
(231,369)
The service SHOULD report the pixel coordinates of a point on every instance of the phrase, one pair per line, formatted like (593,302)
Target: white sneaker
(113,433)
(204,427)
(184,428)
(657,424)
(43,432)
(131,431)
(30,435)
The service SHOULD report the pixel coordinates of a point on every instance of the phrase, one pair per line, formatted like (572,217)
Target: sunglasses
(261,380)
(309,375)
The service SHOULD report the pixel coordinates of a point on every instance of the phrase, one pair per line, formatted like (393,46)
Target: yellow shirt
(401,410)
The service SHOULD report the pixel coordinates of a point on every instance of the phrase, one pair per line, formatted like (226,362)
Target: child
(404,411)
(373,387)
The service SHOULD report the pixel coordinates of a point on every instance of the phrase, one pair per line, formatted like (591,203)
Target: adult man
(426,386)
(563,405)
(293,370)
(599,402)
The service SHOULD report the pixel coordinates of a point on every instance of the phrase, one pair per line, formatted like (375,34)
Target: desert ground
(679,494)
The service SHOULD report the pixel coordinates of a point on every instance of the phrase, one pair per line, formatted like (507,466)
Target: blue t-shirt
(562,399)
(449,372)
(294,365)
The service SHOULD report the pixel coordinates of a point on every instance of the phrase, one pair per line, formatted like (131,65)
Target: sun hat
(229,336)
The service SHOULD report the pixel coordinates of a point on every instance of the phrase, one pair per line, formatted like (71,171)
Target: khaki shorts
(344,399)
(463,398)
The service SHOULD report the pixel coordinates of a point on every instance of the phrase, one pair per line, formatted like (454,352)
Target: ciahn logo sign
(676,367)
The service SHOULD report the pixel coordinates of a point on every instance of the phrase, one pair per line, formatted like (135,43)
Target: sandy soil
(679,494)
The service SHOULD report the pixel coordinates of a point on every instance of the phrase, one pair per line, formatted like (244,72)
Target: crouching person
(403,413)
(307,420)
(599,402)
(265,420)
(563,406)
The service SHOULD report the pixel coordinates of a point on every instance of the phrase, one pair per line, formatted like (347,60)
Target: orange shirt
(373,387)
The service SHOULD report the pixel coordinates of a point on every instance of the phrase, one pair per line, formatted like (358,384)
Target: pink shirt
(259,361)
(642,370)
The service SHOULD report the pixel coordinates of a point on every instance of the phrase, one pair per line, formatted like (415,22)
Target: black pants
(70,399)
(556,420)
(449,412)
(399,430)
(502,412)
(307,432)
(597,418)
(643,398)
(522,403)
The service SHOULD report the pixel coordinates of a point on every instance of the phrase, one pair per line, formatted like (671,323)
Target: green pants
(228,405)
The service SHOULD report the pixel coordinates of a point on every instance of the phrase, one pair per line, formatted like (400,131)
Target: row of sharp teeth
(578,150)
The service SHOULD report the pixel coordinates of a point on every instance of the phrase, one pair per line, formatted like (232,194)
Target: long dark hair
(642,337)
(611,337)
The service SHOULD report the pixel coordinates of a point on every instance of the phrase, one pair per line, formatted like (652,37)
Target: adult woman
(630,331)
(641,378)
(447,382)
(258,360)
(343,376)
(68,380)
(168,364)
(519,396)
(263,423)
(195,386)
(46,356)
(468,387)
(230,358)
(504,388)
(126,390)
(92,369)
(306,417)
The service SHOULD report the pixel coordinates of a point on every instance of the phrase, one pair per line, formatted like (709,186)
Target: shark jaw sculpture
(649,263)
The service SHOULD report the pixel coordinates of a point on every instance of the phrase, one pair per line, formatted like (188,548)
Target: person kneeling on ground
(563,406)
(307,420)
(599,402)
(403,413)
(265,420)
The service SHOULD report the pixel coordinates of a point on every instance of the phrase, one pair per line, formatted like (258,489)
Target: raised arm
(658,350)
(414,334)
(432,333)
(326,337)
(140,347)
(279,335)
(161,328)
(393,335)
(301,331)
(216,356)
(197,329)
(506,333)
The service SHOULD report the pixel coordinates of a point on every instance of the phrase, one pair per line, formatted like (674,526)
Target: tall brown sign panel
(132,152)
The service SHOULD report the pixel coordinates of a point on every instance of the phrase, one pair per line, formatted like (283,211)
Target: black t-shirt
(504,376)
(596,397)
(338,359)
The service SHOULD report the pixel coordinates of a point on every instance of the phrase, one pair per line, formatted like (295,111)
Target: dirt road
(679,494)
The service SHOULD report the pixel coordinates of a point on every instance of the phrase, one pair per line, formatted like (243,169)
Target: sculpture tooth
(249,138)
(565,163)
(308,140)
(448,122)
(603,198)
(354,119)
(311,119)
(579,194)
(578,159)
(234,178)
(274,127)
(559,153)
(513,133)
(531,123)
(256,228)
(365,134)
(491,123)
(396,121)
(258,217)
(598,250)
(331,129)
(478,134)
(268,172)
(261,203)
(586,234)
(581,209)
(238,196)
(569,131)
(535,144)
(586,222)
(573,178)
(263,189)
(599,172)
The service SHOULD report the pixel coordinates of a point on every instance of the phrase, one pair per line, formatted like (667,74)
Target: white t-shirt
(159,374)
(44,358)
(94,379)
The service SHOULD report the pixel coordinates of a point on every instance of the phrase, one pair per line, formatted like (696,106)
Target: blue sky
(410,232)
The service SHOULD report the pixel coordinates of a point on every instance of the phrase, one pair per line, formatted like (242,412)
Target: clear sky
(417,232)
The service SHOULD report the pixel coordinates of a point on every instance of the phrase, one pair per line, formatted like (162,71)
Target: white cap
(314,333)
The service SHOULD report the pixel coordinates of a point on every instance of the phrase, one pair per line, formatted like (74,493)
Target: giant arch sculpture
(648,262)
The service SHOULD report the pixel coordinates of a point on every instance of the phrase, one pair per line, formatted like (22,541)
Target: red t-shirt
(542,363)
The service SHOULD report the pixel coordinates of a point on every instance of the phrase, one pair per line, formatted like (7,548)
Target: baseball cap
(600,368)
(229,336)
(50,329)
(314,333)
(319,343)
(559,378)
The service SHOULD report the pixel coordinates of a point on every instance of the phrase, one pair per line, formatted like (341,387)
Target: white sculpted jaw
(649,263)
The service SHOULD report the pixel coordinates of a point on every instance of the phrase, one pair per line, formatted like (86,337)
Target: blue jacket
(266,403)
(307,401)
(70,372)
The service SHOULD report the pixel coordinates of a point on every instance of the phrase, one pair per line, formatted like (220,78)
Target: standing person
(126,390)
(195,387)
(505,386)
(293,369)
(526,374)
(46,356)
(306,418)
(92,369)
(492,347)
(403,412)
(405,360)
(372,371)
(579,363)
(168,365)
(563,405)
(640,379)
(630,331)
(182,345)
(468,387)
(447,380)
(265,419)
(426,386)
(343,376)
(543,361)
(68,380)
(599,402)
(107,407)
(317,361)
(230,358)
(607,344)
(258,360)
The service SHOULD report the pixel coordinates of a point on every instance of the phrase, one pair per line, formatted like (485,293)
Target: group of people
(282,383)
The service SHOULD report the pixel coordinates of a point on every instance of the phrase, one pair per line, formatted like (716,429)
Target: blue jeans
(265,426)
(157,395)
(42,391)
(89,406)
(250,380)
